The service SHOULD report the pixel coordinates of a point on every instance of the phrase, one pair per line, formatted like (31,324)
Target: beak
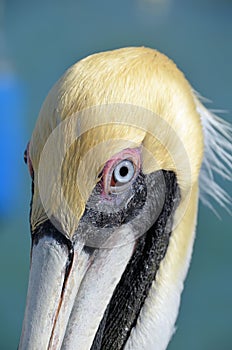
(69,289)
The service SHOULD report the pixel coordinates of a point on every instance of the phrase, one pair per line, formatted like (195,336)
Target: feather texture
(217,158)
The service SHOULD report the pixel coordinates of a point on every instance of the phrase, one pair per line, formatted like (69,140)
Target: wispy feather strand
(217,156)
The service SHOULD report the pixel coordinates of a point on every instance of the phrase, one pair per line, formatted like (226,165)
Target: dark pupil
(123,171)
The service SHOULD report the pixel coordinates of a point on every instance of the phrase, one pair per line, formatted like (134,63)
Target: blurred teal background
(39,40)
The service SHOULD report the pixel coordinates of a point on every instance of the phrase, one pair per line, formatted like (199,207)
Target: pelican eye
(123,172)
(25,156)
(120,171)
(27,160)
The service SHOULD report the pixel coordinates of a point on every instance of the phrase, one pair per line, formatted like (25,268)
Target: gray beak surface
(69,290)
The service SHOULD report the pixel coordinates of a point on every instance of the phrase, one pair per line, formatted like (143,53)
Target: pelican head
(115,160)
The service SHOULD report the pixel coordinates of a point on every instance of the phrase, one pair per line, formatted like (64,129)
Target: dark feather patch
(129,296)
(101,219)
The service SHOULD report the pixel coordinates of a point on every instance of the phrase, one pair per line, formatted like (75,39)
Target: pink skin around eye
(132,154)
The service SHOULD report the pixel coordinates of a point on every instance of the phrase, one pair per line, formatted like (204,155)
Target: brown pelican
(121,146)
